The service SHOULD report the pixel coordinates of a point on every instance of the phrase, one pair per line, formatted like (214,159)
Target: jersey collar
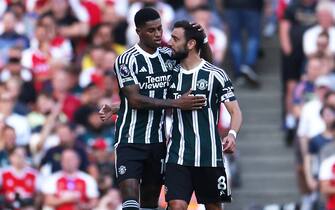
(191,71)
(146,53)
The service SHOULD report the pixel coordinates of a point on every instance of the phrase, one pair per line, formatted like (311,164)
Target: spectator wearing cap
(103,160)
(325,23)
(13,68)
(70,188)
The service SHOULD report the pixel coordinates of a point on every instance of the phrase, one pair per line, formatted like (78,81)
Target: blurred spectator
(325,23)
(323,54)
(116,20)
(9,37)
(298,17)
(95,72)
(304,91)
(95,128)
(61,86)
(111,201)
(67,140)
(18,122)
(166,13)
(13,68)
(312,158)
(185,13)
(327,181)
(69,25)
(217,39)
(38,58)
(19,182)
(70,188)
(243,15)
(102,35)
(44,121)
(103,160)
(7,142)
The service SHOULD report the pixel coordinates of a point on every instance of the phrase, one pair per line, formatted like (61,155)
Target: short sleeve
(92,188)
(49,185)
(225,89)
(124,69)
(326,169)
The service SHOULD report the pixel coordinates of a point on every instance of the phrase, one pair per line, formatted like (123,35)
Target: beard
(182,54)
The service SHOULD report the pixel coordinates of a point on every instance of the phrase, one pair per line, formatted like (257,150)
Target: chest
(153,73)
(200,84)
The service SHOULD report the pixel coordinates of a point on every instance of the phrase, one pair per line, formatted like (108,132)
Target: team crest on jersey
(170,64)
(122,169)
(124,70)
(202,84)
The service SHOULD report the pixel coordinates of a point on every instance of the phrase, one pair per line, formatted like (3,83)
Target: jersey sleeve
(49,185)
(124,68)
(225,89)
(326,169)
(92,188)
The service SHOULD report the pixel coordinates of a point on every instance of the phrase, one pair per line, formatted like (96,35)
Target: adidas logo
(173,85)
(143,69)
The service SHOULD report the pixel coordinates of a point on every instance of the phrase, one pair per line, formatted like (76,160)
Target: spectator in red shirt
(19,182)
(70,189)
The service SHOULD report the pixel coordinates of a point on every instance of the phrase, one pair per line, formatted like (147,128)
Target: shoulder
(127,55)
(165,51)
(216,71)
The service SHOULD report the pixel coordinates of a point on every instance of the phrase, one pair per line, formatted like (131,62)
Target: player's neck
(191,61)
(146,48)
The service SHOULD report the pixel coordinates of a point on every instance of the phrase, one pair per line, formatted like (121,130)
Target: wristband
(232,132)
(205,40)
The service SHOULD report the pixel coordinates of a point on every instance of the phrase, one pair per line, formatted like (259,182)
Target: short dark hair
(191,33)
(144,15)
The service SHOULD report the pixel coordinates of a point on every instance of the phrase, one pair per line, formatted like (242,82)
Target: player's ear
(191,44)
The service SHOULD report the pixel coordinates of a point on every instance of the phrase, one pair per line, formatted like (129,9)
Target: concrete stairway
(267,164)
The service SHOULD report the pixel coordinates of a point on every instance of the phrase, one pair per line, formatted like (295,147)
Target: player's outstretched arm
(138,101)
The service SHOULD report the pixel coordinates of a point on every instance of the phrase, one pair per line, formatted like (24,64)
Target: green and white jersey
(195,139)
(152,73)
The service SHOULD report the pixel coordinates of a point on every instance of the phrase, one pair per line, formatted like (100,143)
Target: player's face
(151,33)
(178,44)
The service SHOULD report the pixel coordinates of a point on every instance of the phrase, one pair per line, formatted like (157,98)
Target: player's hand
(107,111)
(229,144)
(199,28)
(189,102)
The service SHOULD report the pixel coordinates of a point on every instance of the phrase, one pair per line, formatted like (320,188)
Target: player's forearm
(236,115)
(144,102)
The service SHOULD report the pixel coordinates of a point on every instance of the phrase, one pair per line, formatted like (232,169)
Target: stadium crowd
(56,71)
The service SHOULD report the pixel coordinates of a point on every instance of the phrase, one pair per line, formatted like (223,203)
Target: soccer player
(195,153)
(143,73)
